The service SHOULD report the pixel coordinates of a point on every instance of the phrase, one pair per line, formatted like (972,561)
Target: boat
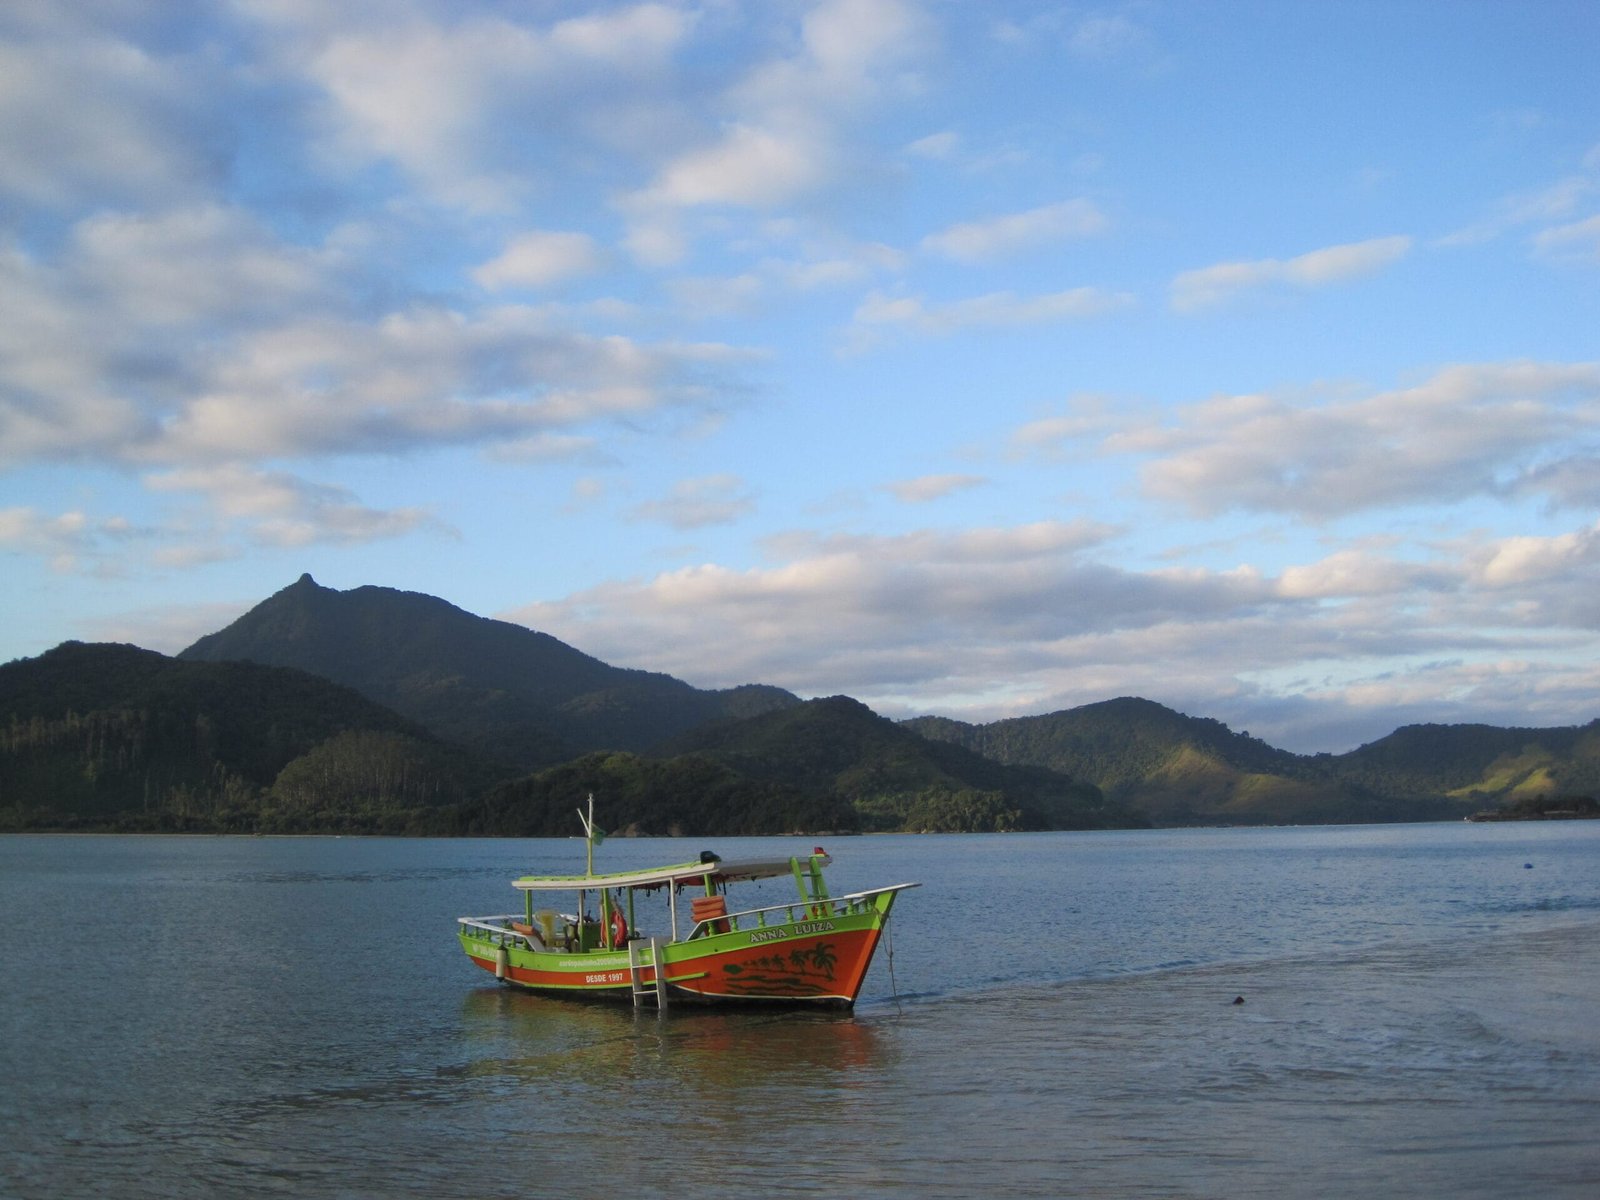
(809,951)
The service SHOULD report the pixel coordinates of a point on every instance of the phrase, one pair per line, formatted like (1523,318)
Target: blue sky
(972,359)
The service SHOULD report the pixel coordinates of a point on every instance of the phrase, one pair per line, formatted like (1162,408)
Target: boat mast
(589,832)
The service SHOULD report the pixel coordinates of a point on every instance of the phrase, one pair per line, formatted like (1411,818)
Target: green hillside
(1185,770)
(508,692)
(684,796)
(896,779)
(375,710)
(1478,764)
(115,737)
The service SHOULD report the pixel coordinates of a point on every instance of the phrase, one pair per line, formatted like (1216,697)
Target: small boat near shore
(809,951)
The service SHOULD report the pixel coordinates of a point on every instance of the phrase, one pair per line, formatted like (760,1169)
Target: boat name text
(773,935)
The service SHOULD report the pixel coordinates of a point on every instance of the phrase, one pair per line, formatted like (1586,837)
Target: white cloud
(936,146)
(1086,417)
(1554,202)
(995,622)
(698,503)
(279,509)
(165,628)
(1214,285)
(1578,241)
(1470,430)
(1353,572)
(933,487)
(476,109)
(1520,561)
(997,237)
(784,133)
(70,541)
(998,309)
(539,259)
(193,336)
(205,263)
(89,119)
(749,166)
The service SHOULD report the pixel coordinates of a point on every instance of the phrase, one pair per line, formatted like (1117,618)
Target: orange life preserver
(619,929)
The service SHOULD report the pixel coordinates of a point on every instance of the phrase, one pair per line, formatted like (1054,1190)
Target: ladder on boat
(642,991)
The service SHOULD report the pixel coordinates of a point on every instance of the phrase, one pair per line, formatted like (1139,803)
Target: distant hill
(684,796)
(376,710)
(1479,763)
(896,779)
(115,737)
(506,691)
(1194,770)
(1178,769)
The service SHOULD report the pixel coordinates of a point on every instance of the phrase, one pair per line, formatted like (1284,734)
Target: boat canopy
(698,872)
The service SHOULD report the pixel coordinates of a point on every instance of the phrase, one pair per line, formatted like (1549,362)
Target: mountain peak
(522,695)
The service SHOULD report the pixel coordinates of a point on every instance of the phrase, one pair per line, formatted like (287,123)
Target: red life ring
(619,929)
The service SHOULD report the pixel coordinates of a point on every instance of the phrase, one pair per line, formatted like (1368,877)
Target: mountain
(688,795)
(893,777)
(504,690)
(112,736)
(1184,770)
(1479,763)
(377,710)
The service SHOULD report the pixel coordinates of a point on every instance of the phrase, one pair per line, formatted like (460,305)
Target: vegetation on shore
(377,711)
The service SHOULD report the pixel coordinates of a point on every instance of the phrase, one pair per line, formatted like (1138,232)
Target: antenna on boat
(593,835)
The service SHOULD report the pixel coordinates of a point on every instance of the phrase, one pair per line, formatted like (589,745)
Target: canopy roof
(719,872)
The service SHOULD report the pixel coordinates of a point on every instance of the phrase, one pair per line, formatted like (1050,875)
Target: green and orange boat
(809,951)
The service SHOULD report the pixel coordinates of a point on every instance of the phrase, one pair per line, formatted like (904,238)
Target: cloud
(784,135)
(939,146)
(1520,561)
(1025,619)
(89,119)
(1101,37)
(698,503)
(1013,233)
(1578,241)
(206,263)
(70,541)
(933,487)
(1554,202)
(167,628)
(282,510)
(1215,285)
(194,336)
(1471,430)
(477,109)
(749,166)
(539,259)
(995,310)
(1087,418)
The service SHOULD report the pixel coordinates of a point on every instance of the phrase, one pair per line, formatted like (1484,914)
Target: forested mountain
(111,736)
(375,710)
(1183,769)
(1479,762)
(894,778)
(683,796)
(506,691)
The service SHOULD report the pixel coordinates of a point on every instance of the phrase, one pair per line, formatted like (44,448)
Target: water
(292,1017)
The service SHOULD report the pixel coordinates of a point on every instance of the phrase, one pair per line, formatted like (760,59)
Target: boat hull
(818,962)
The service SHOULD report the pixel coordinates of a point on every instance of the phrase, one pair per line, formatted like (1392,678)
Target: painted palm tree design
(821,956)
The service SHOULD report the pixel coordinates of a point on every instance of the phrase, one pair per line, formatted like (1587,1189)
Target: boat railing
(499,931)
(794,912)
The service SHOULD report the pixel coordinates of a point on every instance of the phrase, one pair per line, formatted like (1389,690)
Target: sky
(983,360)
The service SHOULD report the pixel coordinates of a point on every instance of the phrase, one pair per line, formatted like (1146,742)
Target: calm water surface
(262,1017)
